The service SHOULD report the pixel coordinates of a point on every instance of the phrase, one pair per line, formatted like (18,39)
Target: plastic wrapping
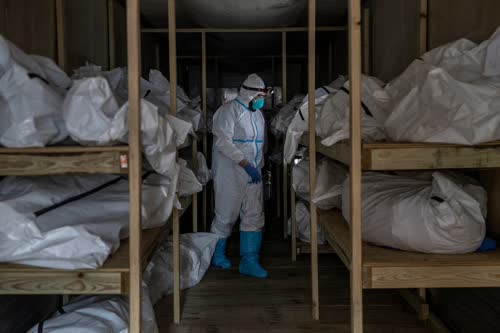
(30,109)
(156,91)
(203,172)
(330,178)
(282,120)
(93,117)
(443,214)
(333,121)
(329,183)
(38,65)
(98,314)
(188,182)
(73,222)
(452,96)
(117,79)
(196,251)
(332,115)
(300,122)
(303,223)
(30,104)
(191,115)
(90,113)
(162,91)
(55,75)
(300,179)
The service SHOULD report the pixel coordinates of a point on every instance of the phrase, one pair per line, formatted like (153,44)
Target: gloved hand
(253,173)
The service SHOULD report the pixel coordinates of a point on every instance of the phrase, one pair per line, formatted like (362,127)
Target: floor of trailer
(224,301)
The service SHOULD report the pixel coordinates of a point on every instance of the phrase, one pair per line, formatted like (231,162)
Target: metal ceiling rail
(270,56)
(241,30)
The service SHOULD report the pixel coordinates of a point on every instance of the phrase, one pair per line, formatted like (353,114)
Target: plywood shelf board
(387,268)
(63,150)
(63,160)
(111,278)
(415,156)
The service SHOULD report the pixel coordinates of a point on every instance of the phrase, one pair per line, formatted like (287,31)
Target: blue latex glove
(253,173)
(489,244)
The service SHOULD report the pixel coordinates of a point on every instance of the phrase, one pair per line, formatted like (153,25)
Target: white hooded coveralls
(238,135)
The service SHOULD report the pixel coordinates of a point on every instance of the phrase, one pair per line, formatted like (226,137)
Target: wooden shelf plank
(63,160)
(63,150)
(385,268)
(416,156)
(111,278)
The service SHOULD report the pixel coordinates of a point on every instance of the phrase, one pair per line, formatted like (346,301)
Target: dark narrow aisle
(225,301)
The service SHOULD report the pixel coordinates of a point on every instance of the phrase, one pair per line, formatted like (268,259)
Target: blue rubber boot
(249,250)
(219,259)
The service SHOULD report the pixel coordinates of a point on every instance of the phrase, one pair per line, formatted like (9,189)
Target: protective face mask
(257,104)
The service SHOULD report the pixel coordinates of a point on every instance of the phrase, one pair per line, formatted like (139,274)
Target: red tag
(124,161)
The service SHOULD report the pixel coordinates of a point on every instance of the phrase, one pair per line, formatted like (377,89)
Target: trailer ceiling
(244,13)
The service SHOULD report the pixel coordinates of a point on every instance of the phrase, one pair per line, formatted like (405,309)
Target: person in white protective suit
(238,129)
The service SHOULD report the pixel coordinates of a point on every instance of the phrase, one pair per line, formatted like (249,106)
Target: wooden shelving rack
(385,268)
(373,267)
(121,273)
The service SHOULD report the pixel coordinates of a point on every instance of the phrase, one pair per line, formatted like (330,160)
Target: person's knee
(221,230)
(223,226)
(252,224)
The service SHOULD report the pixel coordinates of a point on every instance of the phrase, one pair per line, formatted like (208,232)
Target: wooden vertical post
(172,54)
(312,155)
(423,310)
(195,195)
(284,91)
(205,115)
(366,41)
(61,36)
(293,225)
(111,35)
(422,293)
(422,45)
(135,160)
(355,169)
